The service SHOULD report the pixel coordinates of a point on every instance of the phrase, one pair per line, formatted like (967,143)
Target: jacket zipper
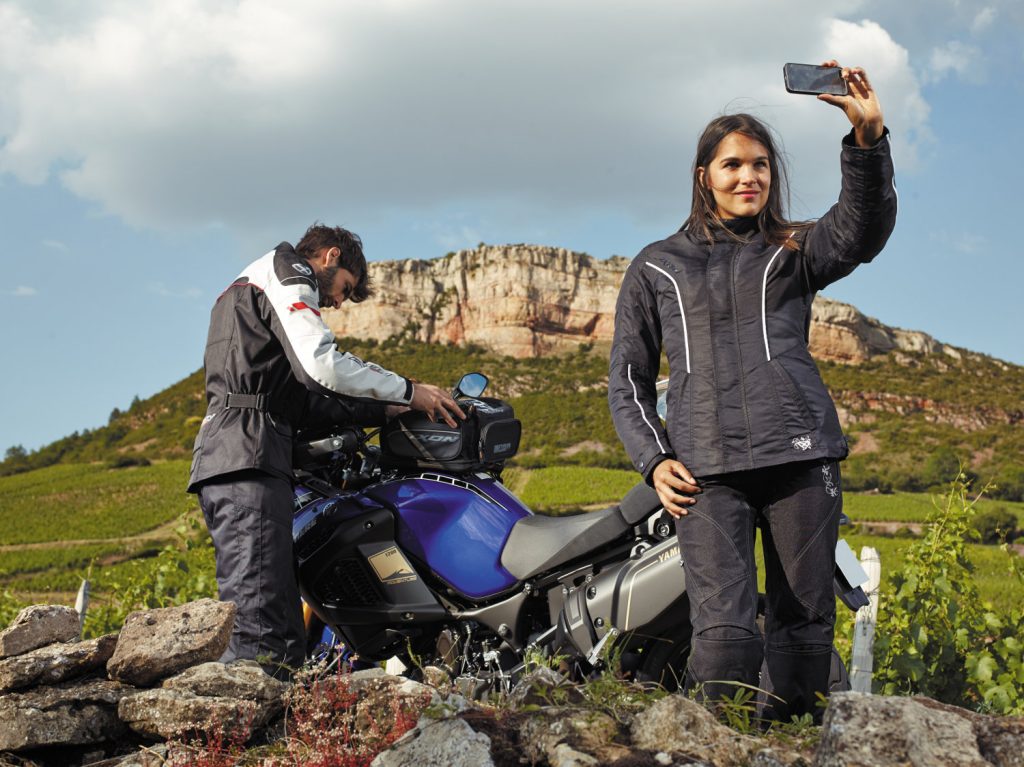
(739,350)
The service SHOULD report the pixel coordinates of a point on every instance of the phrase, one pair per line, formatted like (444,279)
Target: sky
(150,150)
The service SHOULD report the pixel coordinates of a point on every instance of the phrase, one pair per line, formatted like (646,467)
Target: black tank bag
(489,435)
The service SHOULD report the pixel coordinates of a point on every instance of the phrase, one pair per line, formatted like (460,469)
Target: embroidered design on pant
(830,485)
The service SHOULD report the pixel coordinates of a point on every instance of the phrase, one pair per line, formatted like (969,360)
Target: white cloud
(239,113)
(955,57)
(983,20)
(24,291)
(56,245)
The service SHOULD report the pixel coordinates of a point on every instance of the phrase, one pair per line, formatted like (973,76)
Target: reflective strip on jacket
(267,337)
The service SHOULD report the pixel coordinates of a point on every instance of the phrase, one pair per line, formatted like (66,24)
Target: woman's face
(738,176)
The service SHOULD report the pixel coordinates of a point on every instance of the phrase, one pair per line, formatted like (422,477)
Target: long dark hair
(772,219)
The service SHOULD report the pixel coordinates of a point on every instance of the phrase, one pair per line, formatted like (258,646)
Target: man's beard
(324,281)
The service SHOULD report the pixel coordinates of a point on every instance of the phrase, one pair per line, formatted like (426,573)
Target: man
(272,366)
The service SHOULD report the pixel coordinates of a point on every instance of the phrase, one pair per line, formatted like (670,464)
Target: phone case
(795,89)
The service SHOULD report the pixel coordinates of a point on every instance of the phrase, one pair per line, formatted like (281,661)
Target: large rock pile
(65,701)
(115,700)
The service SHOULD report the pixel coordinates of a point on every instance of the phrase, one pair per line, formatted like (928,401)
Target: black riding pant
(797,507)
(249,515)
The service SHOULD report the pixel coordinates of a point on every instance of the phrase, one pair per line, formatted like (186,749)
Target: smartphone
(810,78)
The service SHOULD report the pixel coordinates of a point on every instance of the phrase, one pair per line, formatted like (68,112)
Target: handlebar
(344,441)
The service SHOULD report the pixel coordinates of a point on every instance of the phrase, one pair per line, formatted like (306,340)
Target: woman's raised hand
(669,478)
(861,105)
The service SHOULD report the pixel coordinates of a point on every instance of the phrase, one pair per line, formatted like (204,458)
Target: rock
(164,713)
(239,679)
(861,730)
(38,626)
(544,687)
(565,737)
(526,300)
(68,714)
(238,697)
(534,300)
(436,677)
(360,681)
(55,663)
(153,756)
(841,333)
(678,724)
(158,643)
(450,742)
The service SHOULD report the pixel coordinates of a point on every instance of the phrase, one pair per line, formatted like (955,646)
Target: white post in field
(82,605)
(864,627)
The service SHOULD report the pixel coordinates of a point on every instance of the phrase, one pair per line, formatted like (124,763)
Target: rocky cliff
(532,300)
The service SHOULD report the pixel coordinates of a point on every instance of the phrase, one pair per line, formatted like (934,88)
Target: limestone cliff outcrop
(532,300)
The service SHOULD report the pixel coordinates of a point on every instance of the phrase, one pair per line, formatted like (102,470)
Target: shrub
(998,525)
(127,461)
(935,637)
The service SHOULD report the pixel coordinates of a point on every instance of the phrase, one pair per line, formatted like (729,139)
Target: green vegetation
(89,502)
(894,403)
(908,507)
(104,498)
(936,636)
(59,557)
(562,488)
(894,406)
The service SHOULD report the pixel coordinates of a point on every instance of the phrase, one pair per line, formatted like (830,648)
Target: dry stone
(239,679)
(570,736)
(55,663)
(38,626)
(152,756)
(163,713)
(450,742)
(158,643)
(677,724)
(544,687)
(238,696)
(861,730)
(69,714)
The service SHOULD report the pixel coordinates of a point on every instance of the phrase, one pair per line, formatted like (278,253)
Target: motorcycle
(415,548)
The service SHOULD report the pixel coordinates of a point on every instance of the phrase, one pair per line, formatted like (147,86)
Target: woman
(751,437)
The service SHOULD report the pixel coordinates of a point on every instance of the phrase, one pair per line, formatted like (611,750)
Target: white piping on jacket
(764,296)
(629,375)
(679,298)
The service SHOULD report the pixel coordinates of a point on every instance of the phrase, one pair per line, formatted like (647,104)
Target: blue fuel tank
(457,526)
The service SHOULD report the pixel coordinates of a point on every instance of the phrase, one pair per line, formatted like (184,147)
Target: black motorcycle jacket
(733,317)
(272,366)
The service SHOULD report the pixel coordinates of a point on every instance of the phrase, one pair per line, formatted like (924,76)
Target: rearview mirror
(470,385)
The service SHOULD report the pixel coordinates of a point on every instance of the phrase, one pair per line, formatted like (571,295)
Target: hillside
(538,321)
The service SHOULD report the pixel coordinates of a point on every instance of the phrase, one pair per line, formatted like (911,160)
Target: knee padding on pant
(726,633)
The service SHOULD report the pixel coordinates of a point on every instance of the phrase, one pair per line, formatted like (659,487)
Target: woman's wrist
(868,135)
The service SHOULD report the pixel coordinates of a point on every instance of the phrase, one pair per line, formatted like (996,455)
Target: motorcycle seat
(539,543)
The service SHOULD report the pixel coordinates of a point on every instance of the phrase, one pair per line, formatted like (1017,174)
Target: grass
(72,502)
(562,488)
(69,502)
(60,557)
(908,507)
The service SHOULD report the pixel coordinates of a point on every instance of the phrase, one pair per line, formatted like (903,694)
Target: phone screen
(809,78)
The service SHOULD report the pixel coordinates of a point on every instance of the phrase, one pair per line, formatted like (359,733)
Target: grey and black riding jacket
(733,316)
(273,366)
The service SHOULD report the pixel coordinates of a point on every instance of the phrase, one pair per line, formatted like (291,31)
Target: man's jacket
(733,317)
(272,366)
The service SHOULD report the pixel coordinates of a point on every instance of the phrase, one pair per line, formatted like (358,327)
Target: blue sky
(148,151)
